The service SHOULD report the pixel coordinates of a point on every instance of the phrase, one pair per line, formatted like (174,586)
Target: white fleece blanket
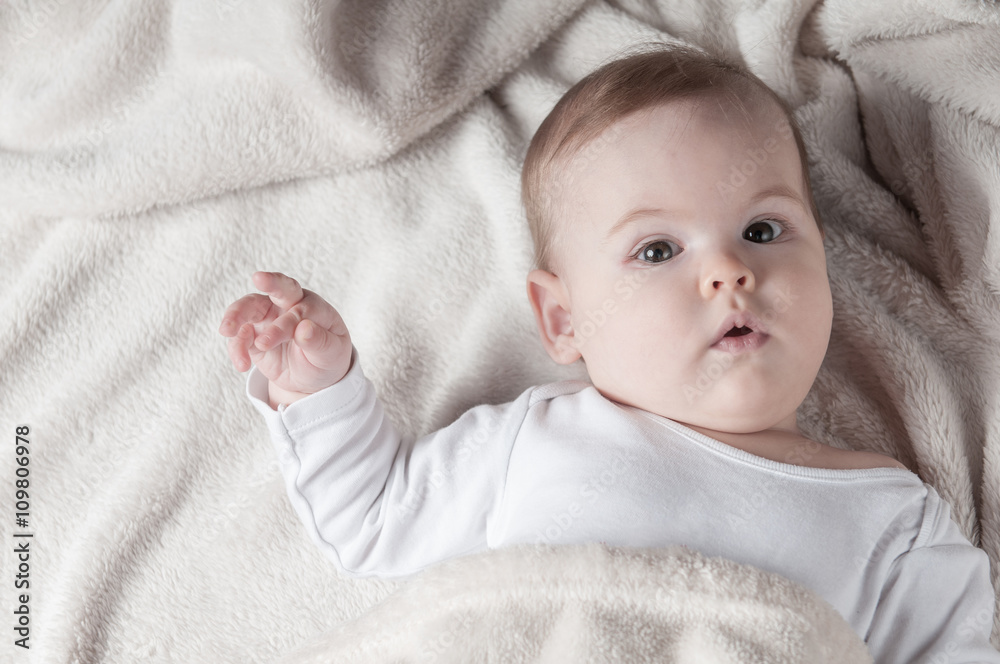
(592,603)
(154,153)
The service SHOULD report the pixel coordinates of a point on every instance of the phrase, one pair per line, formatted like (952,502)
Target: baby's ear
(550,302)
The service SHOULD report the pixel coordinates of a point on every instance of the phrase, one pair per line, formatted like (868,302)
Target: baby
(680,256)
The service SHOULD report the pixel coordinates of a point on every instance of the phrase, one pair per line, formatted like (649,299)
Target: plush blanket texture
(154,153)
(589,603)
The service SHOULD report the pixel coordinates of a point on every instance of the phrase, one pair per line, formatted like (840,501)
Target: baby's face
(673,222)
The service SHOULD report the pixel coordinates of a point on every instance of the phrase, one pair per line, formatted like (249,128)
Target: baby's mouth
(739,340)
(738,331)
(744,329)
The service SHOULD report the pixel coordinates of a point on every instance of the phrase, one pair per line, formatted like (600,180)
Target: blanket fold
(194,99)
(593,603)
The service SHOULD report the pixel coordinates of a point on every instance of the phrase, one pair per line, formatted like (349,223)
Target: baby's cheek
(816,302)
(648,333)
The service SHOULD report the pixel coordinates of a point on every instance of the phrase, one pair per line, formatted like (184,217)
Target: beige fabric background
(154,153)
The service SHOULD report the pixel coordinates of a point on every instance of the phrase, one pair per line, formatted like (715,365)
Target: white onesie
(563,464)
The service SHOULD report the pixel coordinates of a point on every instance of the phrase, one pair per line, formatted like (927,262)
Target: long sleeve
(937,602)
(375,502)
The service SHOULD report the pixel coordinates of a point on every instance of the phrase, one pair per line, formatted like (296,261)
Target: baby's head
(669,201)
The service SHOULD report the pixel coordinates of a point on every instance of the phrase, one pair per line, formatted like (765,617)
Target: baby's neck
(776,434)
(783,444)
(789,446)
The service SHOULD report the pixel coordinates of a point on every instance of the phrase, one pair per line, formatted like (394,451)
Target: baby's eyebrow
(632,216)
(777,191)
(774,191)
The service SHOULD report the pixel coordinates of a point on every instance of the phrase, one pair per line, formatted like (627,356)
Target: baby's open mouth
(745,329)
(741,339)
(738,331)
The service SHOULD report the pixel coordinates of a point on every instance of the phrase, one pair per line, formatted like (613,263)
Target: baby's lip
(739,319)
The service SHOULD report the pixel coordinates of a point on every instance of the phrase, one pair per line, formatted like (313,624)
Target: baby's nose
(728,272)
(741,281)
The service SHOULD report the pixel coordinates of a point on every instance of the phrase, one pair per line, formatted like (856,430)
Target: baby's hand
(295,337)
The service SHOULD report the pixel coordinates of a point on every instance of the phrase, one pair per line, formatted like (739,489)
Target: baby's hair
(654,75)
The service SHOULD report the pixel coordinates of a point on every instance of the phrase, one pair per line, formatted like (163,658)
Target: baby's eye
(762,231)
(658,251)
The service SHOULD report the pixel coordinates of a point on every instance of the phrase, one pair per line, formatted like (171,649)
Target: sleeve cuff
(309,409)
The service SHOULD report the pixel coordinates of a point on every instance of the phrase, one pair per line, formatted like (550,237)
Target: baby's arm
(377,503)
(374,502)
(937,603)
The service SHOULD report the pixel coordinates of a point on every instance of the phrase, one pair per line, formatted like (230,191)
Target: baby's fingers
(279,331)
(252,308)
(323,349)
(284,291)
(239,347)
